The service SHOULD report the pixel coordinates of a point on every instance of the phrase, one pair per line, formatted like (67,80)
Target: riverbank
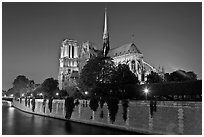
(17,122)
(169,118)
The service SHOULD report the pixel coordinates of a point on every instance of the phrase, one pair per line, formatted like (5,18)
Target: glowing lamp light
(40,94)
(22,95)
(57,94)
(86,92)
(146,90)
(11,95)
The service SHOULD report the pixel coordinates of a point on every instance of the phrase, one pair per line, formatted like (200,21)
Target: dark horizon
(168,34)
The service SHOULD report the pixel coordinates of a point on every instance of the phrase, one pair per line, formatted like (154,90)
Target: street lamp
(146,91)
(11,95)
(86,92)
(57,94)
(22,95)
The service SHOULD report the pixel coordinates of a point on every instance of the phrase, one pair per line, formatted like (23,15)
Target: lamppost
(146,91)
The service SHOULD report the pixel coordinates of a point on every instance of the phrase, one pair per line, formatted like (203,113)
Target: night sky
(168,34)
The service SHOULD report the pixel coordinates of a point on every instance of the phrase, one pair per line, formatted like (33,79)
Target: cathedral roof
(124,49)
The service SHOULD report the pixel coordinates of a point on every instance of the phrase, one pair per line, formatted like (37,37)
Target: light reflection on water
(16,122)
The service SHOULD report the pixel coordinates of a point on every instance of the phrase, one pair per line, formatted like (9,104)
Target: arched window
(133,66)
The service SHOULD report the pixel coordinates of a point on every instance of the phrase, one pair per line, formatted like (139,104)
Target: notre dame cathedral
(75,55)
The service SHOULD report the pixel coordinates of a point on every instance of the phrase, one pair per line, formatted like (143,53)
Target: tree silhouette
(49,86)
(96,72)
(153,77)
(20,85)
(20,82)
(181,75)
(123,76)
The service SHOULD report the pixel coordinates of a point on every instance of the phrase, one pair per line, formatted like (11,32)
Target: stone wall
(171,117)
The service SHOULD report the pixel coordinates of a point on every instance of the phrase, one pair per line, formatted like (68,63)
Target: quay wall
(171,117)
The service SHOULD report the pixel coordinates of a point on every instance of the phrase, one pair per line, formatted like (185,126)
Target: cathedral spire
(106,46)
(105,32)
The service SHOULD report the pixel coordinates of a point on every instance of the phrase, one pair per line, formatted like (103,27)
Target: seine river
(16,122)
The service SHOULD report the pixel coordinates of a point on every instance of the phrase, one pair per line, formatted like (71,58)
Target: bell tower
(68,62)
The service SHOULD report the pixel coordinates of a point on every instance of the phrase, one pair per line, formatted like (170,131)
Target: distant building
(74,56)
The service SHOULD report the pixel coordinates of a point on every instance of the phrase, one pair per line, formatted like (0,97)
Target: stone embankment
(170,117)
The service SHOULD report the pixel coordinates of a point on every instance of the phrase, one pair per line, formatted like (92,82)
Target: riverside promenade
(171,117)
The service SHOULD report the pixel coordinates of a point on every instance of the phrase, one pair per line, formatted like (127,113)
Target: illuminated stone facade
(68,70)
(74,56)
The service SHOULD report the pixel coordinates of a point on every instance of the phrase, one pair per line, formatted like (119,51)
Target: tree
(20,84)
(49,86)
(3,93)
(98,71)
(38,89)
(192,75)
(123,76)
(63,93)
(153,77)
(181,75)
(121,79)
(73,91)
(10,91)
(31,84)
(167,77)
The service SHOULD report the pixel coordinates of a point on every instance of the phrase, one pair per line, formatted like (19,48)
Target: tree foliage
(178,76)
(63,93)
(123,76)
(3,92)
(153,77)
(96,72)
(181,75)
(49,86)
(20,82)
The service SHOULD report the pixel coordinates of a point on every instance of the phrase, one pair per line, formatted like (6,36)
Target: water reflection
(68,126)
(16,122)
